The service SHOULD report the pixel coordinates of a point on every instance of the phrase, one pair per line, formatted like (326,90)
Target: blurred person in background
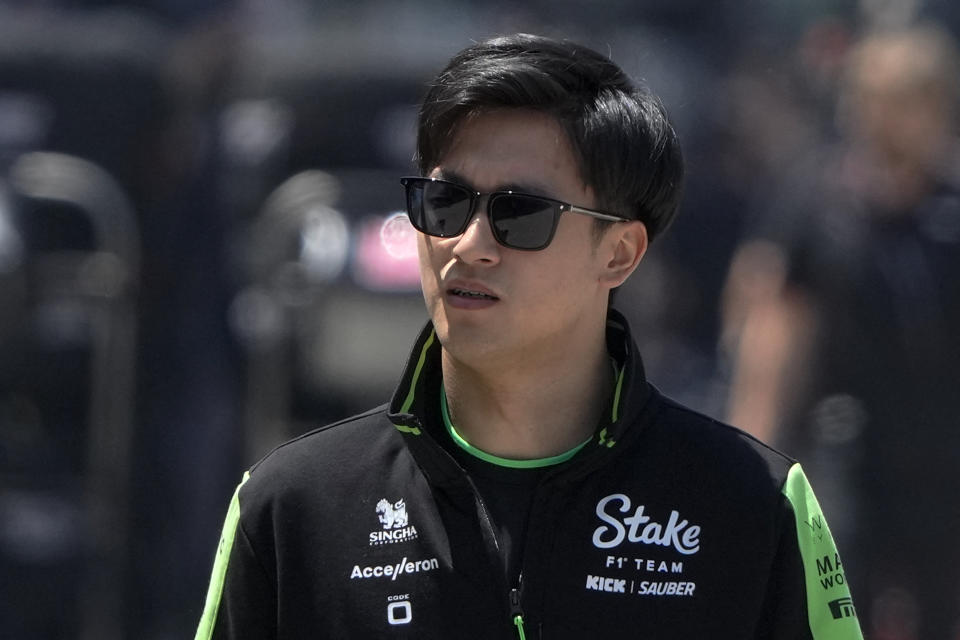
(843,314)
(526,478)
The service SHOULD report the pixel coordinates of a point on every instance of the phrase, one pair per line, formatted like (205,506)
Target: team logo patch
(842,608)
(623,523)
(395,523)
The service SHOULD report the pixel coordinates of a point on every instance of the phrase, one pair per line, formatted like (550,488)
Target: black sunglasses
(518,220)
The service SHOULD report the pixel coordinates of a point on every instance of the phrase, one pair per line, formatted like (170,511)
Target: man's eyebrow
(453,176)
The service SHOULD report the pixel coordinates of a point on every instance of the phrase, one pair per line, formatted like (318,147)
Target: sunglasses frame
(559,207)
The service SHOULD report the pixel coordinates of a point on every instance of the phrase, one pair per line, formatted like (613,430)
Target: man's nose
(477,245)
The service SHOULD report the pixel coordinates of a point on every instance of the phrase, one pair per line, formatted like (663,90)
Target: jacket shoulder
(720,451)
(330,457)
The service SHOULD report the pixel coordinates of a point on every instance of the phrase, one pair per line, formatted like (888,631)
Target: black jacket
(666,525)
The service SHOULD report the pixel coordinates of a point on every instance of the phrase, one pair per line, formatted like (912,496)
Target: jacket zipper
(516,611)
(515,608)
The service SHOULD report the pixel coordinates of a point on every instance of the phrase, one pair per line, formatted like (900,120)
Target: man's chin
(473,346)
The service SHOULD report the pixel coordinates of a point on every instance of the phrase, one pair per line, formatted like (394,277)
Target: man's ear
(624,244)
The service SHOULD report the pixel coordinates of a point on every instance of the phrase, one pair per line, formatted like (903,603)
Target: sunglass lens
(523,222)
(438,208)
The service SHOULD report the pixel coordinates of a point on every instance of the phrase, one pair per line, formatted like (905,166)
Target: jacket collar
(415,407)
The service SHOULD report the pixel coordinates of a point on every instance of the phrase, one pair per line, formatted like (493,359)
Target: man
(526,480)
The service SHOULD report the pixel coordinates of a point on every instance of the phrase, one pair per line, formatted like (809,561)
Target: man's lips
(467,293)
(473,288)
(470,295)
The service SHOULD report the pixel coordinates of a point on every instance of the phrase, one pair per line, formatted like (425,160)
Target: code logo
(399,613)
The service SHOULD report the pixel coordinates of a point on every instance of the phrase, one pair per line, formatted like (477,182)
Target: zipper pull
(516,613)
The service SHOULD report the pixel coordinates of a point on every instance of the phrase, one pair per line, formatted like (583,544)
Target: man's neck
(535,408)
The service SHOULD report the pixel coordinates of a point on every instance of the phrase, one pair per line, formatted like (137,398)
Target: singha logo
(392,516)
(395,522)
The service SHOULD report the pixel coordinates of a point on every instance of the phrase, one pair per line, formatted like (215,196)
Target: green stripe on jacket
(829,606)
(215,591)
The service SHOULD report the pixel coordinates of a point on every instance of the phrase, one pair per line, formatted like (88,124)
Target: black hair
(624,144)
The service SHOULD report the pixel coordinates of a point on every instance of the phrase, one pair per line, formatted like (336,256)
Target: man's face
(495,305)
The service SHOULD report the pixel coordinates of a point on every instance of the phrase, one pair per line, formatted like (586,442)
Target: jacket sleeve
(241,601)
(808,596)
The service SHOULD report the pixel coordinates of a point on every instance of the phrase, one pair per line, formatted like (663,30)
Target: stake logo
(641,528)
(395,523)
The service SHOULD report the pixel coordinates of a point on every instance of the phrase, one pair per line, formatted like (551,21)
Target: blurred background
(191,267)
